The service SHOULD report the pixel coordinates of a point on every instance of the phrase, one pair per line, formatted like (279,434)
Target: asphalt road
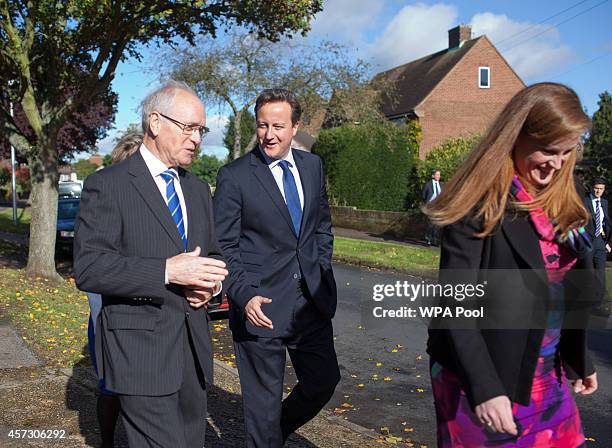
(396,394)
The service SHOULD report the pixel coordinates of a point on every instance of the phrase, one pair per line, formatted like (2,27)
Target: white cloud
(415,31)
(216,124)
(106,145)
(345,20)
(530,53)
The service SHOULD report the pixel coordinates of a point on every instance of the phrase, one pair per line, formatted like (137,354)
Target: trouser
(261,365)
(177,420)
(599,263)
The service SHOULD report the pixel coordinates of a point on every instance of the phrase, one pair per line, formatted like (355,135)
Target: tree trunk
(251,144)
(237,135)
(44,177)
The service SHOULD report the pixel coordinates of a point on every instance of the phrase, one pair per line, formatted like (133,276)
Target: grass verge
(52,318)
(376,254)
(23,220)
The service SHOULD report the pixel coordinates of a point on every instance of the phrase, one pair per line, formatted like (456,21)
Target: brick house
(453,93)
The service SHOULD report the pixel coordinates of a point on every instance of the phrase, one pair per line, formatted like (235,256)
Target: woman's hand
(586,386)
(496,415)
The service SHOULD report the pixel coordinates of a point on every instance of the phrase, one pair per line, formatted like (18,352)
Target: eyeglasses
(188,129)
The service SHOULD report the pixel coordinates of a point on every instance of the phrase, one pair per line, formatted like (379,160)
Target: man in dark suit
(274,226)
(145,240)
(431,191)
(600,229)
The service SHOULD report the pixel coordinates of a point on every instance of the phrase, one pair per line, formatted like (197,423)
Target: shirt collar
(274,162)
(155,166)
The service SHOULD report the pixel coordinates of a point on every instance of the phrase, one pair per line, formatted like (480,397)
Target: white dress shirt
(156,167)
(436,189)
(277,172)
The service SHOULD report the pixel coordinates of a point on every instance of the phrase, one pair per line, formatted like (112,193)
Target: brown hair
(481,185)
(280,96)
(126,146)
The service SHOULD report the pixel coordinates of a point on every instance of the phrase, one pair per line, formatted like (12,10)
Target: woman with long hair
(514,205)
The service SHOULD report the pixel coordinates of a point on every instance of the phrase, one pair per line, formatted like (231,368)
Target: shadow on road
(225,425)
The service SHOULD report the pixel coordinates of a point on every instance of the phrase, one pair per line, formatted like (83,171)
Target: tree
(598,148)
(247,130)
(107,160)
(84,168)
(56,57)
(206,168)
(325,76)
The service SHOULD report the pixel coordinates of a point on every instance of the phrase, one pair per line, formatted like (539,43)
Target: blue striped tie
(598,228)
(292,199)
(174,205)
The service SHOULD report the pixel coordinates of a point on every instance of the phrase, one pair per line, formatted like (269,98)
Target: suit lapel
(265,177)
(522,236)
(145,185)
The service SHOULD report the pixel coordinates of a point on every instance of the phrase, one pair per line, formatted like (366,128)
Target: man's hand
(198,297)
(586,386)
(189,269)
(254,313)
(608,248)
(496,415)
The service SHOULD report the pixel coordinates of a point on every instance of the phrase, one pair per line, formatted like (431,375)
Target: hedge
(369,165)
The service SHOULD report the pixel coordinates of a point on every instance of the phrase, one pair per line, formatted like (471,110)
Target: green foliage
(84,168)
(59,57)
(107,160)
(368,166)
(247,129)
(598,148)
(447,157)
(5,174)
(206,168)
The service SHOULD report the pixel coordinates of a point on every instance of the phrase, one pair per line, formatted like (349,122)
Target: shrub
(447,158)
(369,165)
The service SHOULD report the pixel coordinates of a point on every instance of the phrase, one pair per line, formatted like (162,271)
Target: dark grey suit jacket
(264,255)
(123,235)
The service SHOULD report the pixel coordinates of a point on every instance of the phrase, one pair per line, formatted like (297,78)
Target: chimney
(458,35)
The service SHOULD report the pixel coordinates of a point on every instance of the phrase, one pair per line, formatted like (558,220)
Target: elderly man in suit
(600,229)
(145,240)
(431,191)
(274,226)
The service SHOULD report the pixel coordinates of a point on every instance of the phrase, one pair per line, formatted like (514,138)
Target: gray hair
(161,100)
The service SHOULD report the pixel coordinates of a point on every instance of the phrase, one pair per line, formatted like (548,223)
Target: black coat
(492,362)
(124,233)
(428,190)
(607,225)
(263,254)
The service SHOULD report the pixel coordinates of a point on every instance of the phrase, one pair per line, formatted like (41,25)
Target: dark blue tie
(174,205)
(292,199)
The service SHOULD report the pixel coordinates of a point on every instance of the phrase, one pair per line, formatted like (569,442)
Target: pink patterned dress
(551,419)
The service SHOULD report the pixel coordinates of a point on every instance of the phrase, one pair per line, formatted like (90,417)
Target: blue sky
(573,47)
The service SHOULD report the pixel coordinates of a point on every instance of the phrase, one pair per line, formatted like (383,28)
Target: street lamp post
(13,177)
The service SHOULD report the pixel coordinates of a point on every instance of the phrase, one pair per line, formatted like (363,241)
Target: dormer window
(484,77)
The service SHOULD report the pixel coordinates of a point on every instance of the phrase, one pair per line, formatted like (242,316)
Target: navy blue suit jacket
(263,254)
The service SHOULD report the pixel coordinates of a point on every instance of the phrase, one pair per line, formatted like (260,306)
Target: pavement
(37,397)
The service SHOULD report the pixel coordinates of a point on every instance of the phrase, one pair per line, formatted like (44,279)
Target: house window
(484,77)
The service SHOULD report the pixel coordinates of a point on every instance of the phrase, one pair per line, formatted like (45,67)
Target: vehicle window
(67,210)
(70,190)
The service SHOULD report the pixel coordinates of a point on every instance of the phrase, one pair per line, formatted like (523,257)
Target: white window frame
(488,69)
